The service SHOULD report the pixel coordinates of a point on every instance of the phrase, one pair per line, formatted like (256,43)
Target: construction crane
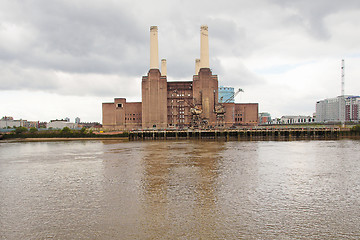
(234,95)
(220,110)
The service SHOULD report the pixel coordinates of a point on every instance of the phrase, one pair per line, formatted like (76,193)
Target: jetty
(259,133)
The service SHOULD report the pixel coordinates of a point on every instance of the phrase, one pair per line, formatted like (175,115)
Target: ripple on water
(180,190)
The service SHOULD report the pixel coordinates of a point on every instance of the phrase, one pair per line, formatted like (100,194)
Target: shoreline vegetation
(256,133)
(23,134)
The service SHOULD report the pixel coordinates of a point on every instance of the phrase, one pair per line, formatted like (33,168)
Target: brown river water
(180,190)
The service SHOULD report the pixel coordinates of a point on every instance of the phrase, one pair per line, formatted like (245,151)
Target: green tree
(33,130)
(20,130)
(356,128)
(65,130)
(83,131)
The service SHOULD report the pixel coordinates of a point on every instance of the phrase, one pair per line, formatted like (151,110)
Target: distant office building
(337,109)
(77,120)
(352,108)
(264,118)
(60,124)
(42,125)
(31,124)
(328,110)
(9,122)
(226,94)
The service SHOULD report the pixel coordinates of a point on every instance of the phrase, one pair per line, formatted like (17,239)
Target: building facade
(352,108)
(296,119)
(178,104)
(342,108)
(9,122)
(60,124)
(264,118)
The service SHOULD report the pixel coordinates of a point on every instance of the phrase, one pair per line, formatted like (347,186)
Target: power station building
(178,104)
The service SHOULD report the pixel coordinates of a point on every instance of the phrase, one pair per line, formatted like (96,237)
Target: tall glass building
(225,94)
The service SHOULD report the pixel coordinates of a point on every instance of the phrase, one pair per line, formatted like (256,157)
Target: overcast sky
(63,58)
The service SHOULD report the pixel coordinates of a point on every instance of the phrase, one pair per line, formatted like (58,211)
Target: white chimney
(197,66)
(163,67)
(154,48)
(204,47)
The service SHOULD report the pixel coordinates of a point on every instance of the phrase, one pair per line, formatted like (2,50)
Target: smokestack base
(197,66)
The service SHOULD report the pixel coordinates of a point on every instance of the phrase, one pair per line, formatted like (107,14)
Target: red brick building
(178,104)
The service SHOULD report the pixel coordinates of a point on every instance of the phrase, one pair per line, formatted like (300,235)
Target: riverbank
(22,134)
(62,139)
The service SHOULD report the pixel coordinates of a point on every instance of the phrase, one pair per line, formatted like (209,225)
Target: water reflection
(180,190)
(178,183)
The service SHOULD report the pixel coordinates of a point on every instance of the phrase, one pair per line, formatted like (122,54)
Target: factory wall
(179,100)
(205,92)
(246,114)
(122,115)
(154,99)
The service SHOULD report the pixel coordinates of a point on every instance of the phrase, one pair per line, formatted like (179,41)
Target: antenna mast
(342,77)
(342,98)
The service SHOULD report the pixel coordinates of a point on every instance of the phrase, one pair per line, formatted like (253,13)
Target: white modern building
(9,122)
(60,124)
(296,119)
(339,109)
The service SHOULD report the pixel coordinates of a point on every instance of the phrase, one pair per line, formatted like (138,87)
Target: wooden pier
(244,134)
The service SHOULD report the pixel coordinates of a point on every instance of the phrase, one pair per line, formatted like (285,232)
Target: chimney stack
(163,67)
(154,48)
(204,47)
(197,66)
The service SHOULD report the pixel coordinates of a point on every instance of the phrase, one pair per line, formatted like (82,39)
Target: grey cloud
(228,38)
(240,77)
(14,77)
(111,38)
(310,14)
(79,38)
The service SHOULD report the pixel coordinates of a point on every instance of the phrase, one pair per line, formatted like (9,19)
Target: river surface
(180,190)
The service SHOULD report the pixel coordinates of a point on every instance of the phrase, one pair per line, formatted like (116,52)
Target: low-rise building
(31,124)
(296,119)
(264,118)
(9,122)
(60,124)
